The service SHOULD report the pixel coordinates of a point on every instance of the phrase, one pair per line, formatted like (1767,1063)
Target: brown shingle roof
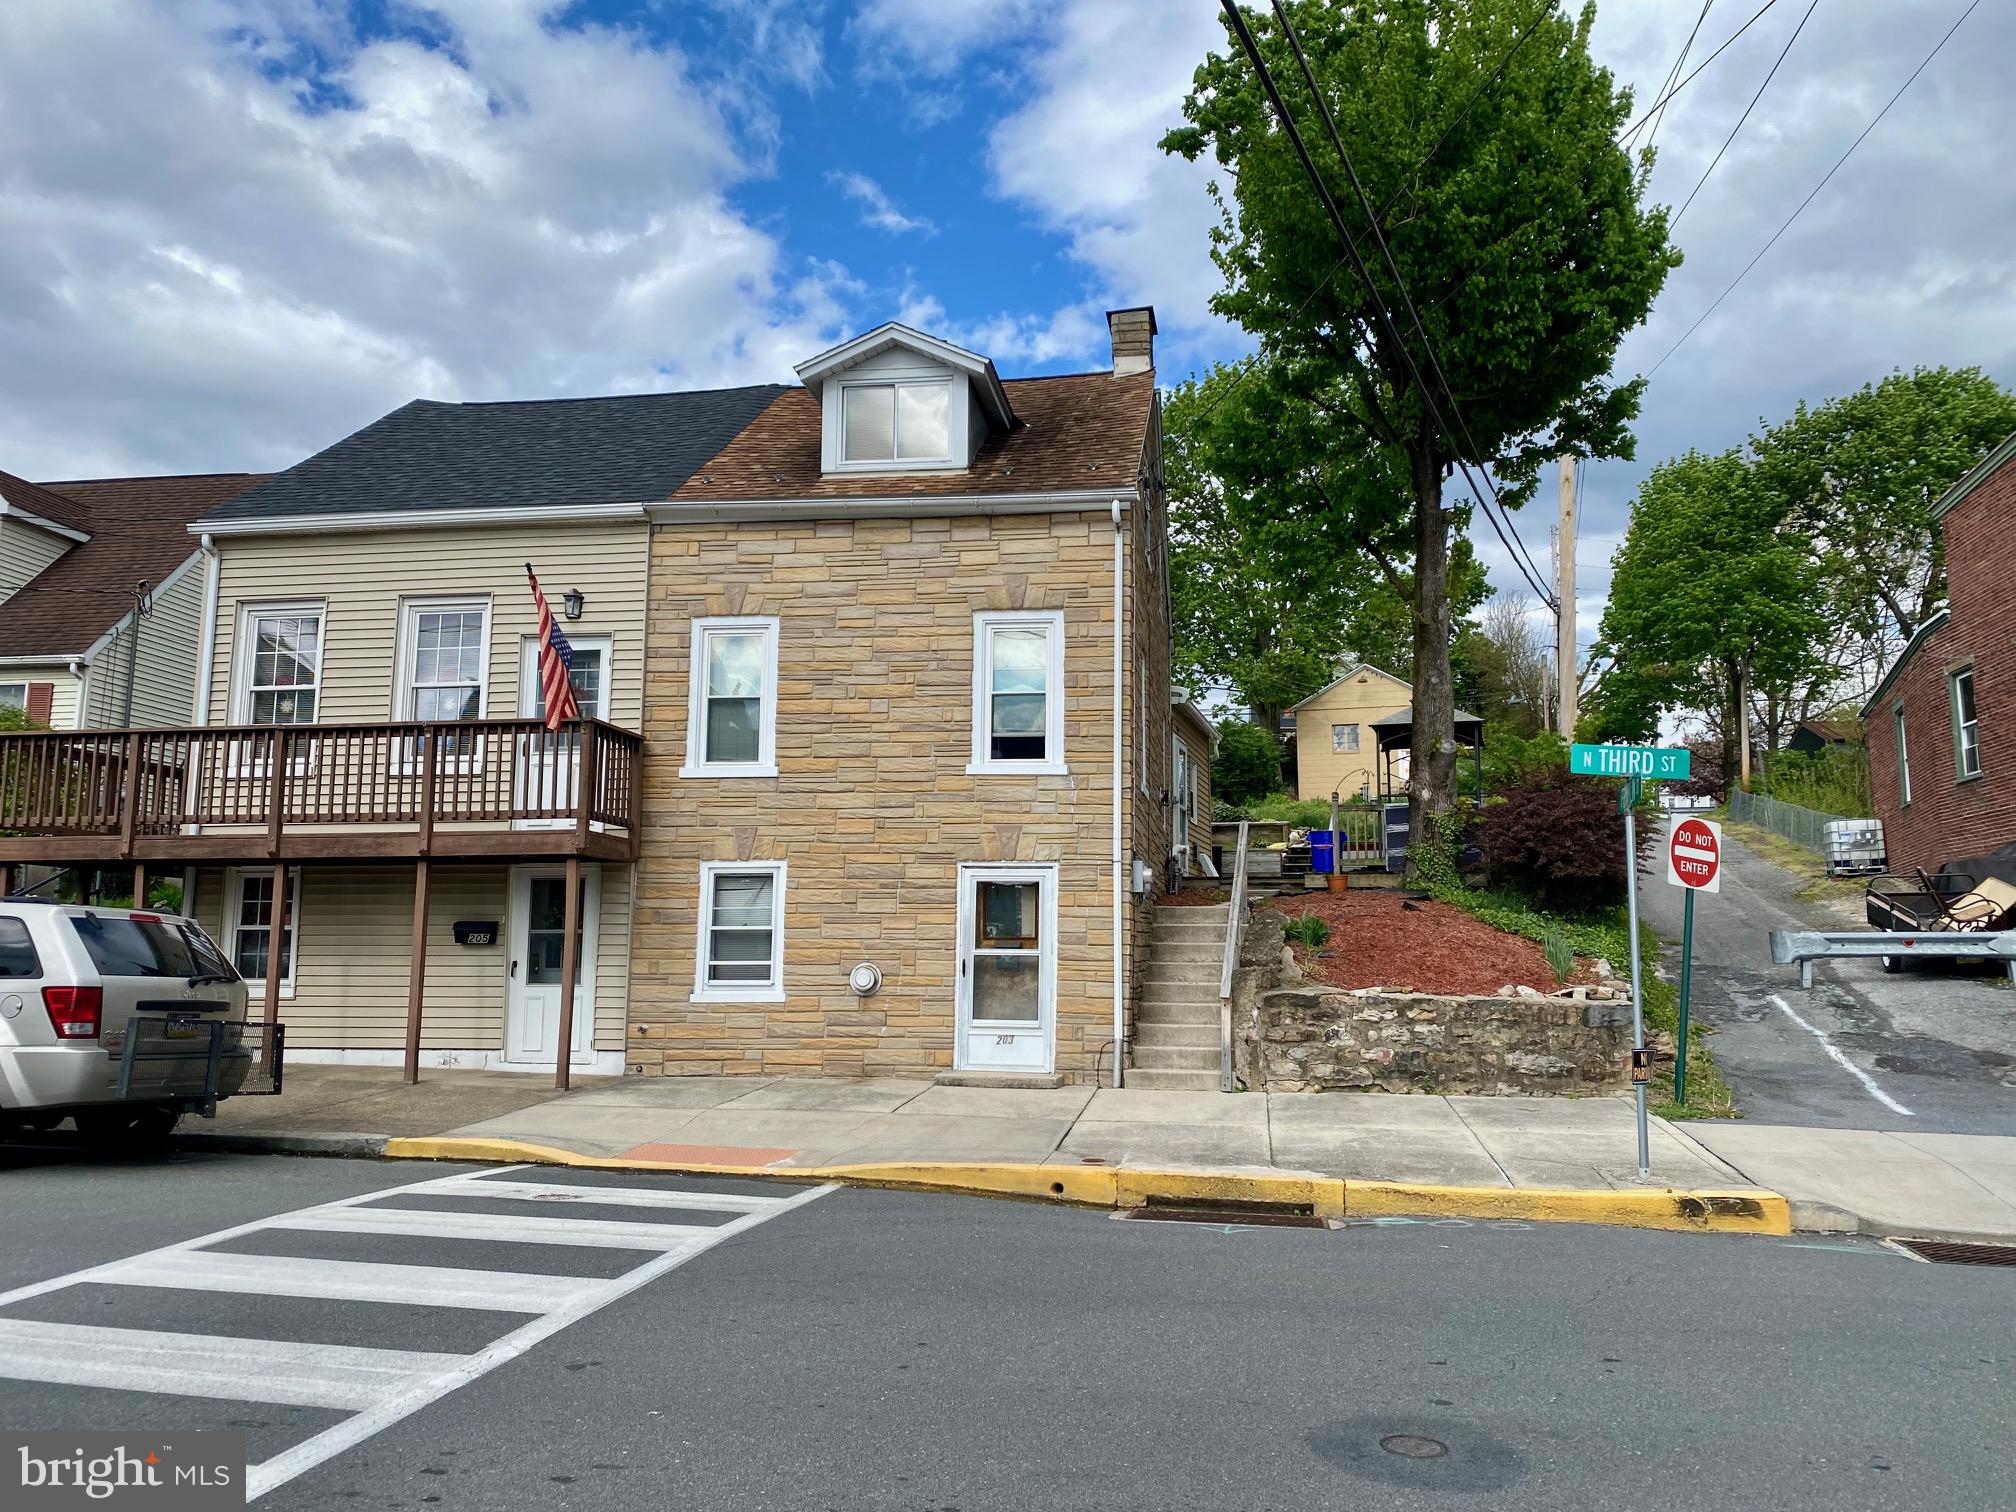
(1083,431)
(37,500)
(139,529)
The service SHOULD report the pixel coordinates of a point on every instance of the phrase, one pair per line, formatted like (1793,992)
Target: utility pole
(1564,596)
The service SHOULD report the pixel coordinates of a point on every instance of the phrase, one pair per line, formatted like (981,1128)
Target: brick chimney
(1133,339)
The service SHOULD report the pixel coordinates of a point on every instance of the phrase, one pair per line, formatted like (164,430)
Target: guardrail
(1803,947)
(1235,931)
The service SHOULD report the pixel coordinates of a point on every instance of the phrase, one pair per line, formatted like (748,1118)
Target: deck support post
(139,884)
(416,979)
(279,920)
(570,968)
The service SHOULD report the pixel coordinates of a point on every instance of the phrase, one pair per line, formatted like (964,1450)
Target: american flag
(556,660)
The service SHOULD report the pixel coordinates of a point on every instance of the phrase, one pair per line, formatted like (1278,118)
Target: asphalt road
(1939,1041)
(866,1349)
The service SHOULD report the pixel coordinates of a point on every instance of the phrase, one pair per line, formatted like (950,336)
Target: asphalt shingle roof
(37,500)
(1078,431)
(426,455)
(139,529)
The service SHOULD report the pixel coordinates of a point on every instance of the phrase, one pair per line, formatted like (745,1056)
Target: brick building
(1942,724)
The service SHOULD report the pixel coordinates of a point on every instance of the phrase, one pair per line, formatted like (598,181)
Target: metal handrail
(1235,929)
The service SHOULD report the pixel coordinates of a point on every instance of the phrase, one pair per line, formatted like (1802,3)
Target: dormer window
(898,422)
(896,400)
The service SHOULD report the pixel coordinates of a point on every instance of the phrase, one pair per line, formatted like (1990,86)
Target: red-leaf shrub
(1562,842)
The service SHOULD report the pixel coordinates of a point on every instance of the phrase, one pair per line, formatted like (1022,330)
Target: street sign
(1660,763)
(1694,855)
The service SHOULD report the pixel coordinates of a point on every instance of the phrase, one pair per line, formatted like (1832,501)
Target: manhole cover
(1413,1446)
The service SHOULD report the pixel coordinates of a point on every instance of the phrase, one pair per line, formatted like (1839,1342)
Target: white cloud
(208,261)
(877,209)
(1082,154)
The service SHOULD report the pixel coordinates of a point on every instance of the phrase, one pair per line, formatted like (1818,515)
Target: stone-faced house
(1942,723)
(874,773)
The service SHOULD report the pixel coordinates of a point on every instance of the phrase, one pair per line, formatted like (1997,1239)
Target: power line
(1529,569)
(1746,112)
(1674,72)
(1873,124)
(1660,103)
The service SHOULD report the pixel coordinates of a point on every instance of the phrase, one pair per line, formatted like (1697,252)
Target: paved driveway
(1933,1051)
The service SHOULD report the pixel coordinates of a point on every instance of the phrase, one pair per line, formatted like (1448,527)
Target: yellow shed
(1336,750)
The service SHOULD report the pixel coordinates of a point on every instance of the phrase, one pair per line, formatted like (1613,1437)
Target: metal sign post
(1693,861)
(1627,804)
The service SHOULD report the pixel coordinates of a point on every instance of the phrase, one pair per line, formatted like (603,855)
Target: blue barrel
(1322,851)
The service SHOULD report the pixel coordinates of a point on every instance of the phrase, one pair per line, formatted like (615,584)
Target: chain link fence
(1802,826)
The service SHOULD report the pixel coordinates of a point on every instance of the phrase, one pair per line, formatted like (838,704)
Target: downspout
(209,646)
(1119,853)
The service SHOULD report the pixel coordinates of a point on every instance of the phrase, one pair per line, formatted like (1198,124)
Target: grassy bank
(1817,886)
(1608,934)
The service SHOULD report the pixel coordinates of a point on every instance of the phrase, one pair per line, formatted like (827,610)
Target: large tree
(1860,475)
(1714,594)
(1516,225)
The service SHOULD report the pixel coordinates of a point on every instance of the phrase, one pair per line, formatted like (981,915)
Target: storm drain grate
(1267,1214)
(1952,1252)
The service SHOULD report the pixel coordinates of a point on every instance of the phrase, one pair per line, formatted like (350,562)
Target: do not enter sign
(1694,855)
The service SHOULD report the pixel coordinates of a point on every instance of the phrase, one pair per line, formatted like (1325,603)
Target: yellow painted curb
(1740,1211)
(1752,1211)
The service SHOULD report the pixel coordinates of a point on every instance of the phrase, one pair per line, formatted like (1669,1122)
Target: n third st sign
(1694,855)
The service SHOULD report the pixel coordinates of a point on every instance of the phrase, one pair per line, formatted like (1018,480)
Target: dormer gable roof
(42,506)
(987,386)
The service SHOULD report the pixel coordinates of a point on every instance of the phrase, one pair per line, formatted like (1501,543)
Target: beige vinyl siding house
(357,581)
(26,551)
(1196,743)
(165,677)
(1336,749)
(365,591)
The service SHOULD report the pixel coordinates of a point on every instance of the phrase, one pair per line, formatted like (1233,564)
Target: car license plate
(182,1027)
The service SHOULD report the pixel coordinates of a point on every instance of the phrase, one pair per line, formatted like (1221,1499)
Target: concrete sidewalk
(1948,1186)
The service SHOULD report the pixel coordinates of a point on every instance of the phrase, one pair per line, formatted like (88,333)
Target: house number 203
(1004,1039)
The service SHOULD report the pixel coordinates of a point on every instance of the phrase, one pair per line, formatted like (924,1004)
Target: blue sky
(236,230)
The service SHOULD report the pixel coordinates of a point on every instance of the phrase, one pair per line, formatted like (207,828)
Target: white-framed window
(1343,737)
(444,669)
(1903,756)
(248,927)
(906,422)
(14,695)
(740,954)
(731,715)
(1966,725)
(279,664)
(1018,693)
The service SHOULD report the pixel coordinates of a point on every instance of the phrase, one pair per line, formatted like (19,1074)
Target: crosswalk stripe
(348,1281)
(559,1192)
(210,1365)
(424,1223)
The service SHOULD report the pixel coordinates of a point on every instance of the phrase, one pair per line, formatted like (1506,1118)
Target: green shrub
(1307,930)
(1248,764)
(1834,780)
(1560,841)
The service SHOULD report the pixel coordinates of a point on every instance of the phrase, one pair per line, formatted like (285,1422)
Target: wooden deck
(344,792)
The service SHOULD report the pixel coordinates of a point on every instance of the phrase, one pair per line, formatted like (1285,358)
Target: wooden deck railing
(154,783)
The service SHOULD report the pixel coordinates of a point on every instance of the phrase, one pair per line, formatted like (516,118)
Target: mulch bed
(1386,939)
(1194,896)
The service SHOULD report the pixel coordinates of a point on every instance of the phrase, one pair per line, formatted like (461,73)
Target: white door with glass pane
(546,761)
(538,935)
(1007,990)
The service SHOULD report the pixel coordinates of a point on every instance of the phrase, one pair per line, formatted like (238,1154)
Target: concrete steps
(1175,1046)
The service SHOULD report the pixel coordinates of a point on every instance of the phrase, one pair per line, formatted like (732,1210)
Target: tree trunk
(1732,687)
(1432,760)
(1267,716)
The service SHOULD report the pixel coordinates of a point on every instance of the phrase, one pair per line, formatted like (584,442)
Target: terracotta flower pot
(1340,881)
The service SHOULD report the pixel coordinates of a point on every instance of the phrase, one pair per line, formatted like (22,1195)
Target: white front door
(1007,968)
(546,761)
(538,935)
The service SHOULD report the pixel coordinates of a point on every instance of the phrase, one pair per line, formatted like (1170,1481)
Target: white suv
(119,1019)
